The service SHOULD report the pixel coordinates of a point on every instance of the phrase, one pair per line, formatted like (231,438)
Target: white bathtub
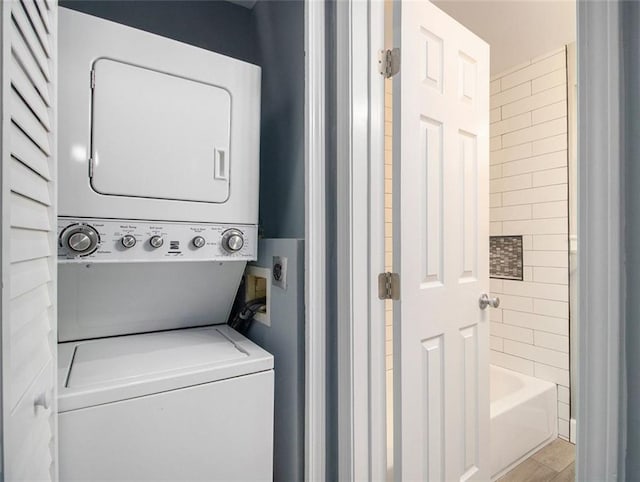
(523,417)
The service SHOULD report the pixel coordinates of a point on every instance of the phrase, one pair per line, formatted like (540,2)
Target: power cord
(242,319)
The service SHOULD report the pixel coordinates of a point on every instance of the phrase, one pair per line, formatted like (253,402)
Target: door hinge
(93,79)
(389,62)
(389,286)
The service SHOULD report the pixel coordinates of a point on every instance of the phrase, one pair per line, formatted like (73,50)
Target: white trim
(600,420)
(343,251)
(360,224)
(315,248)
(377,335)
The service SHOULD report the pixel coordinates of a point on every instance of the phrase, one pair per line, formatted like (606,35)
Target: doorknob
(485,301)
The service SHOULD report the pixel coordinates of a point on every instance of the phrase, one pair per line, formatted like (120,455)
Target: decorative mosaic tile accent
(505,259)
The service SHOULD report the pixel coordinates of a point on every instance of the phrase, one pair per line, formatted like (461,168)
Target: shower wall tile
(496,343)
(535,71)
(550,177)
(550,144)
(559,326)
(511,362)
(563,410)
(554,209)
(552,374)
(529,198)
(557,77)
(552,259)
(549,340)
(563,394)
(511,332)
(545,291)
(388,219)
(536,353)
(531,164)
(534,102)
(549,112)
(551,242)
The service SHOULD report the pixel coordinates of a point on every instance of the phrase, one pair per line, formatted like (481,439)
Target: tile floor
(555,462)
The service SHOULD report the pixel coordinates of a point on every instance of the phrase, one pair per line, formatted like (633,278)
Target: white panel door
(28,239)
(441,247)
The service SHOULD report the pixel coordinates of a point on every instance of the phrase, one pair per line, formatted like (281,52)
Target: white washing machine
(191,404)
(158,207)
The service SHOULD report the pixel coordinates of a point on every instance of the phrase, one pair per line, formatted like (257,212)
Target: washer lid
(111,369)
(130,358)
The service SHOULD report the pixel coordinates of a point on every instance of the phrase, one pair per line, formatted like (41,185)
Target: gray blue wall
(285,340)
(218,26)
(270,35)
(280,36)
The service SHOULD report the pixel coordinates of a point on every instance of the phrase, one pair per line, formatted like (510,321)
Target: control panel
(113,240)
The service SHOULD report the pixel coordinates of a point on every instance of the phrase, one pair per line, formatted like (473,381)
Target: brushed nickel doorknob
(485,301)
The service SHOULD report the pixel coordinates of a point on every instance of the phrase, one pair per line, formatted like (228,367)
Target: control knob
(198,242)
(80,239)
(128,241)
(232,240)
(156,241)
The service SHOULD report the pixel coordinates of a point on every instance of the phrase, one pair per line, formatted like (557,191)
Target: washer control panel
(113,240)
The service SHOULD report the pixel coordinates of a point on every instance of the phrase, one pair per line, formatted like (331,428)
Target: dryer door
(157,135)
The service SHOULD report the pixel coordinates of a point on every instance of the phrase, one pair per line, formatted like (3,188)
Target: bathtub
(523,417)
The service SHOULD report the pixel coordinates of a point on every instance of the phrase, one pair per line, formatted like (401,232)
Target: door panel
(28,239)
(441,247)
(157,135)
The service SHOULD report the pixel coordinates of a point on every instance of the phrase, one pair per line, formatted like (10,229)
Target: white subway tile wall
(388,252)
(388,240)
(529,196)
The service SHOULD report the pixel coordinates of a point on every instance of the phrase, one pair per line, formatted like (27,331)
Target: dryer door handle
(221,169)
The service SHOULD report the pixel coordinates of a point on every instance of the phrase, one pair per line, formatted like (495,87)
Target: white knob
(79,239)
(79,242)
(232,240)
(235,242)
(128,241)
(156,241)
(198,241)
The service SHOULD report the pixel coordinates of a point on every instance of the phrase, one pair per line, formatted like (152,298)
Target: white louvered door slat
(44,15)
(28,276)
(29,184)
(29,214)
(28,240)
(32,41)
(24,58)
(26,152)
(27,91)
(24,118)
(38,27)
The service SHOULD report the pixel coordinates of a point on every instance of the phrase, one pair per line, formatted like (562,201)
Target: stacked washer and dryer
(158,210)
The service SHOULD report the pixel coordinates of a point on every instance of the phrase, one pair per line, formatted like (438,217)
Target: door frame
(315,245)
(601,423)
(360,240)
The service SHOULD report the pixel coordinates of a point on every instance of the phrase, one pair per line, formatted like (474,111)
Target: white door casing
(441,247)
(28,239)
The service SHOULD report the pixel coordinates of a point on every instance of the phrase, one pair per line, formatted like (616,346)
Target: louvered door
(29,32)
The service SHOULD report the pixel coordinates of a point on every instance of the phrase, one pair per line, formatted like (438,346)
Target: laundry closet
(180,197)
